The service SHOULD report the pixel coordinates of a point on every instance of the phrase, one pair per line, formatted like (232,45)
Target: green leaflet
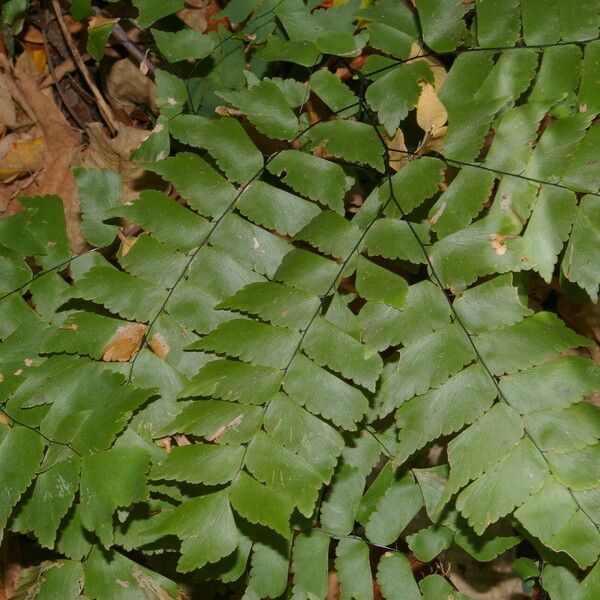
(394,511)
(354,571)
(259,503)
(323,393)
(102,570)
(323,344)
(338,511)
(149,12)
(266,107)
(328,184)
(443,27)
(200,463)
(584,239)
(53,494)
(214,521)
(283,471)
(306,435)
(288,307)
(225,140)
(234,381)
(460,400)
(269,571)
(397,92)
(249,340)
(395,577)
(276,209)
(205,189)
(21,450)
(338,97)
(380,285)
(183,44)
(111,479)
(525,469)
(351,140)
(309,563)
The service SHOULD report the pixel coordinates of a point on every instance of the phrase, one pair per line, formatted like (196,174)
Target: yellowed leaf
(159,345)
(19,155)
(431,113)
(399,155)
(125,343)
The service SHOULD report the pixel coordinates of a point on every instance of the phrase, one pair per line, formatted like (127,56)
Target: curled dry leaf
(159,345)
(125,343)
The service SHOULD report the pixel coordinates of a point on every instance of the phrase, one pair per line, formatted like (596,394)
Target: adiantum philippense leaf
(351,140)
(225,140)
(578,264)
(183,44)
(327,184)
(396,579)
(99,192)
(21,450)
(109,480)
(149,11)
(309,563)
(266,107)
(397,93)
(213,536)
(246,383)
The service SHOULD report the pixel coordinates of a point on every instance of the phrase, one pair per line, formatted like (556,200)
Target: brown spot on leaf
(125,343)
(497,241)
(159,345)
(216,436)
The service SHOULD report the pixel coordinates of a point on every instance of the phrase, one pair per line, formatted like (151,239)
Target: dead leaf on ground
(493,580)
(20,153)
(127,87)
(61,143)
(113,153)
(125,343)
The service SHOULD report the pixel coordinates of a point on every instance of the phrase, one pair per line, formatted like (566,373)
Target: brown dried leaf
(431,113)
(61,144)
(127,87)
(20,154)
(493,580)
(99,21)
(113,153)
(159,345)
(125,343)
(399,157)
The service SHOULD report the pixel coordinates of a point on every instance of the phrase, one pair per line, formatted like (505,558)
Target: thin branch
(105,110)
(146,65)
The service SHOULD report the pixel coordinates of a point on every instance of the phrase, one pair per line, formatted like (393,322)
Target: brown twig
(68,107)
(103,107)
(146,65)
